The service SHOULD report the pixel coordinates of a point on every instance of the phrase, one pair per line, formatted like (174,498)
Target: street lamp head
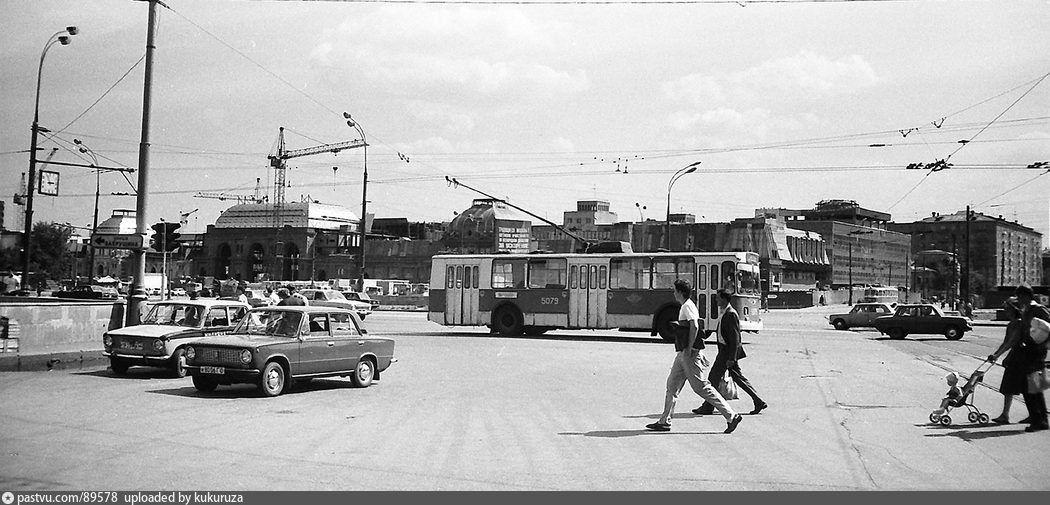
(64,40)
(691,170)
(351,124)
(72,30)
(346,115)
(77,142)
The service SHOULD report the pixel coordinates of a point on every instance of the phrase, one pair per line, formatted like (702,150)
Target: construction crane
(279,163)
(254,198)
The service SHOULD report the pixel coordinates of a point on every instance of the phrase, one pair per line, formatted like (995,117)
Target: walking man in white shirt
(690,366)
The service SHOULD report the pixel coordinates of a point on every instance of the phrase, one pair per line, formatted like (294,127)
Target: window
(729,281)
(466,277)
(666,270)
(450,277)
(318,324)
(547,273)
(701,280)
(748,281)
(593,284)
(342,324)
(603,275)
(476,277)
(508,274)
(572,277)
(237,314)
(630,273)
(217,317)
(714,277)
(459,276)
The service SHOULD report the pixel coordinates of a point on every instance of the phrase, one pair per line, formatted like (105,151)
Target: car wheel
(663,323)
(364,372)
(204,384)
(178,359)
(896,333)
(509,322)
(119,367)
(271,382)
(839,324)
(951,332)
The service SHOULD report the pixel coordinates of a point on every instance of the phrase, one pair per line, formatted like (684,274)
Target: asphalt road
(465,410)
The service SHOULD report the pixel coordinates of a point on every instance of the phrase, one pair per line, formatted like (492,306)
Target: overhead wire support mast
(453,182)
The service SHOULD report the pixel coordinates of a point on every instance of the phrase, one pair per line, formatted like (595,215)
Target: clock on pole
(48,183)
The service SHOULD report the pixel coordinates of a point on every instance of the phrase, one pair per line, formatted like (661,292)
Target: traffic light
(157,238)
(165,237)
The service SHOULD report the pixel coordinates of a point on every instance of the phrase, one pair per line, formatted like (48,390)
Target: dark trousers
(719,368)
(1036,404)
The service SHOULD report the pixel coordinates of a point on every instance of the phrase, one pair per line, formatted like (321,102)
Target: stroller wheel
(946,420)
(935,417)
(984,418)
(973,417)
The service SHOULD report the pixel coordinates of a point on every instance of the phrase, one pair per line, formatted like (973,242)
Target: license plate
(131,346)
(218,370)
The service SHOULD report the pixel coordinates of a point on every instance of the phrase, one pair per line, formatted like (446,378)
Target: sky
(541,104)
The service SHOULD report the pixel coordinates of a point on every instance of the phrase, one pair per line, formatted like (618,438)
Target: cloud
(452,52)
(800,76)
(721,126)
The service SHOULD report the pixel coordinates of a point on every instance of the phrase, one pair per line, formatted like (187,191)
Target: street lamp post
(94,222)
(364,194)
(28,233)
(688,169)
(850,244)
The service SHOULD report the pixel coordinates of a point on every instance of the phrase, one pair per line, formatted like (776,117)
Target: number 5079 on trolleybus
(516,294)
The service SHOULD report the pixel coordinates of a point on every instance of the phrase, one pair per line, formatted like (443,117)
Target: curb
(74,360)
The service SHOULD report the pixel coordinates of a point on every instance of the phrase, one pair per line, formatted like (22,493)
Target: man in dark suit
(730,351)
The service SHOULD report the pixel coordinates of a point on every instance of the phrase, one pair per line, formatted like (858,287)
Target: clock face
(48,183)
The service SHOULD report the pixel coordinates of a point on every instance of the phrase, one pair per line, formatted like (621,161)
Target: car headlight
(107,340)
(190,352)
(158,345)
(246,356)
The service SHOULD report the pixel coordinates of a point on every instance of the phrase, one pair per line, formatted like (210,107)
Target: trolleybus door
(588,295)
(461,294)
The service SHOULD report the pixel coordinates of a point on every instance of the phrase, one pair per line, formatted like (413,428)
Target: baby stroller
(966,400)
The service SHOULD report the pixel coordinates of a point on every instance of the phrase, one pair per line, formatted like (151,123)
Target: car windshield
(190,316)
(271,322)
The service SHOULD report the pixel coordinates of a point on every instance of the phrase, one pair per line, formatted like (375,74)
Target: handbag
(1039,330)
(1038,381)
(727,388)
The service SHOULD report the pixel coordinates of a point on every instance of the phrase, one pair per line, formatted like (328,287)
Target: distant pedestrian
(730,352)
(689,366)
(290,298)
(271,296)
(1032,356)
(283,294)
(1015,381)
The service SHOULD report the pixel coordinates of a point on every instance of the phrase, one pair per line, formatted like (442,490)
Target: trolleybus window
(632,273)
(666,270)
(572,277)
(729,276)
(466,277)
(603,274)
(508,274)
(547,273)
(450,277)
(459,276)
(714,277)
(475,278)
(748,282)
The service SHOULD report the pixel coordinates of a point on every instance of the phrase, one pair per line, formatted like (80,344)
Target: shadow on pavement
(249,390)
(555,336)
(635,433)
(968,434)
(135,373)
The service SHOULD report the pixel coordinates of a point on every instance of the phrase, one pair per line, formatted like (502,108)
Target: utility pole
(965,281)
(137,294)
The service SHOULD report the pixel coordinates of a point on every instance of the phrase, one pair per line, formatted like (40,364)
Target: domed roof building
(303,241)
(488,226)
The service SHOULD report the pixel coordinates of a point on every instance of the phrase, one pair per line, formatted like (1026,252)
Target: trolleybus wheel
(509,322)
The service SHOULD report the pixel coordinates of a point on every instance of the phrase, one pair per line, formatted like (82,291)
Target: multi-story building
(998,252)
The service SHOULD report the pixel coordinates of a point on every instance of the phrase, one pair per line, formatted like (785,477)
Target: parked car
(922,318)
(274,346)
(361,297)
(88,292)
(256,298)
(333,298)
(177,292)
(862,315)
(161,339)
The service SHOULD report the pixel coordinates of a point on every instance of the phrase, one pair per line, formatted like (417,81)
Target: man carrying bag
(730,351)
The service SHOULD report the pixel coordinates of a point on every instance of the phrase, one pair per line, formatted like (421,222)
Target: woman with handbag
(1032,358)
(1015,380)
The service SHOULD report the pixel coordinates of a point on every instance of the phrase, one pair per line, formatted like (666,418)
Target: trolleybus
(534,293)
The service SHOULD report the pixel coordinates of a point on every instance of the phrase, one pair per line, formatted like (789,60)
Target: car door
(315,344)
(349,342)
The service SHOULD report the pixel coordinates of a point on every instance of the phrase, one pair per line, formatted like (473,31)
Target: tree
(50,257)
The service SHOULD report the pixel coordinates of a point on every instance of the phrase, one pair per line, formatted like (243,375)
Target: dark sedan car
(274,346)
(922,318)
(86,292)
